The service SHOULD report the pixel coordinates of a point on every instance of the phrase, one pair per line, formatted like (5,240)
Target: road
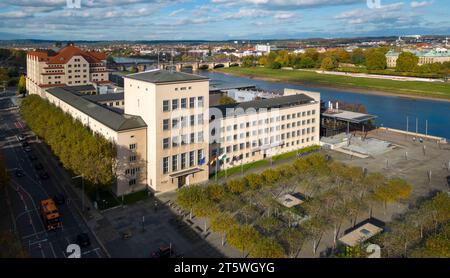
(26,193)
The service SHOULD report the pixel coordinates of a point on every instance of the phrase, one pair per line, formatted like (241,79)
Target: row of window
(182,161)
(235,137)
(267,129)
(182,103)
(183,140)
(247,155)
(183,122)
(266,141)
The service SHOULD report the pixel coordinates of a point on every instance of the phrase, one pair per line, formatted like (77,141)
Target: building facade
(70,66)
(255,130)
(174,105)
(439,55)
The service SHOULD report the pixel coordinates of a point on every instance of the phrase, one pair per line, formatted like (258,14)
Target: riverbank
(408,89)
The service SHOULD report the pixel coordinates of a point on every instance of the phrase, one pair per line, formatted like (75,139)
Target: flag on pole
(223,156)
(201,161)
(212,160)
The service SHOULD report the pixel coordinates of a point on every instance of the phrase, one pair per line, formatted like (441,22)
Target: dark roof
(111,119)
(105,97)
(165,76)
(278,102)
(219,85)
(80,88)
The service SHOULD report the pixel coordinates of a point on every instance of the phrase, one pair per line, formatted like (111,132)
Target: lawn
(412,88)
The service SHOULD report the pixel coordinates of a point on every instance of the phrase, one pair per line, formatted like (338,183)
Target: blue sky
(220,19)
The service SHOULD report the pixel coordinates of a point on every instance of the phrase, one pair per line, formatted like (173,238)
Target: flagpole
(215,178)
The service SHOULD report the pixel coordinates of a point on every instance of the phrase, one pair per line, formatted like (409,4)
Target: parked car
(162,252)
(44,175)
(27,149)
(83,240)
(38,166)
(19,173)
(22,137)
(59,199)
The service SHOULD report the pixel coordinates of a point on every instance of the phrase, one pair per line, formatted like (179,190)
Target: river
(392,111)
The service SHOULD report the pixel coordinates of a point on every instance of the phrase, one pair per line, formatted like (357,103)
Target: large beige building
(175,107)
(254,130)
(166,131)
(70,66)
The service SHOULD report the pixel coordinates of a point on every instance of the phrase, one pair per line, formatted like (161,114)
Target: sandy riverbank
(350,89)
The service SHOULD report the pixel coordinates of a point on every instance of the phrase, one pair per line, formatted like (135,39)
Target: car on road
(83,240)
(27,149)
(44,175)
(59,199)
(32,157)
(21,137)
(162,252)
(19,173)
(38,166)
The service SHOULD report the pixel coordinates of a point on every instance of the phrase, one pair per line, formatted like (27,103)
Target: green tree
(254,181)
(243,237)
(267,248)
(307,62)
(295,239)
(237,186)
(406,62)
(271,176)
(328,63)
(358,57)
(394,190)
(248,61)
(188,197)
(375,59)
(222,223)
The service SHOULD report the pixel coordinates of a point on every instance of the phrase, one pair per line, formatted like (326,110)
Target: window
(174,104)
(174,163)
(174,123)
(200,101)
(191,159)
(200,119)
(166,143)
(165,165)
(132,182)
(192,102)
(132,158)
(200,137)
(166,125)
(165,105)
(183,103)
(183,160)
(175,141)
(192,120)
(133,146)
(192,139)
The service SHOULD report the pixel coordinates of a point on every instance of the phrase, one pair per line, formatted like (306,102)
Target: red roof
(65,54)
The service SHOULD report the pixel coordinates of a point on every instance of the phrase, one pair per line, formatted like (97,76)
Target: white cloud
(285,15)
(416,4)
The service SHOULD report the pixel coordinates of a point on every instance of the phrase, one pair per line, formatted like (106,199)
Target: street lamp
(82,190)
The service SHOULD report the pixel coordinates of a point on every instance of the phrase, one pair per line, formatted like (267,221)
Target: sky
(220,19)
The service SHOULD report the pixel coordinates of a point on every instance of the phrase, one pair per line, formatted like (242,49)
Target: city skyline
(200,19)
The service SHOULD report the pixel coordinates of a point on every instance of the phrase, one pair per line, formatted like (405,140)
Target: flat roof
(80,88)
(114,120)
(278,102)
(348,116)
(289,200)
(105,97)
(158,76)
(221,85)
(360,234)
